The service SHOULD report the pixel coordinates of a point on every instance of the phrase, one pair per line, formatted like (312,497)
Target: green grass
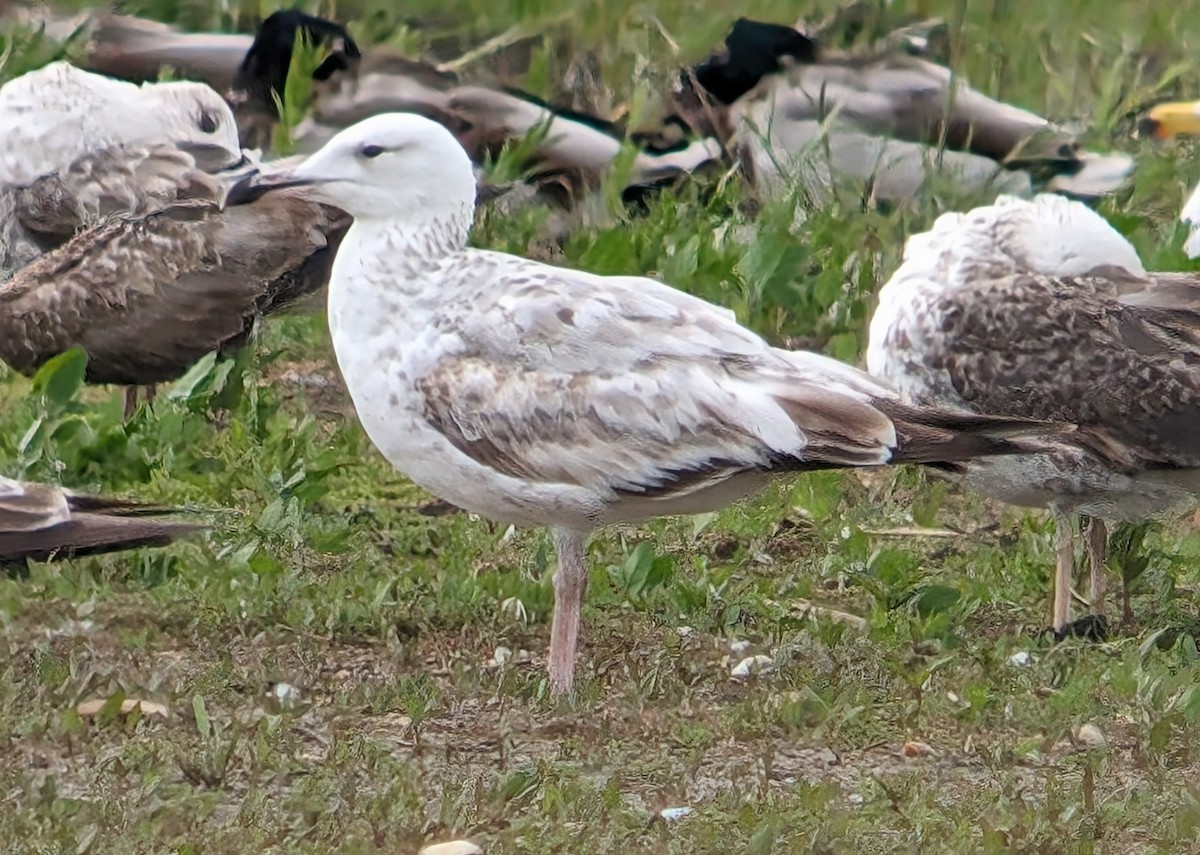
(400,727)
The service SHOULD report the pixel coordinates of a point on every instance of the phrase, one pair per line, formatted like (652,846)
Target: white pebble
(285,693)
(1020,659)
(1090,736)
(454,847)
(759,664)
(674,813)
(501,656)
(739,647)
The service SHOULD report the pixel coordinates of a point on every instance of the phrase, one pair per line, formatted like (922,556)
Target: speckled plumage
(1041,310)
(539,395)
(144,266)
(147,293)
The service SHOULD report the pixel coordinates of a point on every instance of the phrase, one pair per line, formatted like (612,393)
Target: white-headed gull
(539,395)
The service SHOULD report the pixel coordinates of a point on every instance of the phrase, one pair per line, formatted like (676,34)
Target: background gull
(146,270)
(41,523)
(1040,309)
(793,110)
(539,395)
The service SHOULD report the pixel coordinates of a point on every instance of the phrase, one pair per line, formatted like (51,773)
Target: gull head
(393,166)
(196,118)
(51,117)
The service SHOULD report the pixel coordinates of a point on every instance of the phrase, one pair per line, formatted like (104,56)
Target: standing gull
(1040,309)
(539,395)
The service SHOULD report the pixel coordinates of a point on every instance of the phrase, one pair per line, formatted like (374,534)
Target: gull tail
(939,437)
(96,525)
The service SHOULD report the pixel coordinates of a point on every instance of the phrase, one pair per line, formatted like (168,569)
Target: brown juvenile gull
(42,523)
(540,395)
(57,116)
(1040,309)
(793,111)
(148,269)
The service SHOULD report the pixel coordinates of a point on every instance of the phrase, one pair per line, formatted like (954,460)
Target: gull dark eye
(371,151)
(208,122)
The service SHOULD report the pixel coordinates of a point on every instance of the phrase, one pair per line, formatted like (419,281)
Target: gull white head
(51,117)
(388,168)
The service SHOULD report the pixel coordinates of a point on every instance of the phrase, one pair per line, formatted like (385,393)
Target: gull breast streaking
(1040,309)
(540,395)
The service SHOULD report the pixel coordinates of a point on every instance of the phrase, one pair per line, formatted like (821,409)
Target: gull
(119,235)
(544,396)
(1040,309)
(40,522)
(793,111)
(58,115)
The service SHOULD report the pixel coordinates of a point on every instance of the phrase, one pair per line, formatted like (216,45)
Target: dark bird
(791,110)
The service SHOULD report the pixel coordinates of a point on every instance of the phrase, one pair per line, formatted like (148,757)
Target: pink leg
(570,583)
(1095,544)
(1064,549)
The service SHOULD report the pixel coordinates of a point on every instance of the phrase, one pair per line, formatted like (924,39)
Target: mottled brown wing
(109,182)
(26,507)
(1071,350)
(148,296)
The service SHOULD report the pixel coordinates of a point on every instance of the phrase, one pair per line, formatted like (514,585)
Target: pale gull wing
(622,385)
(626,386)
(147,296)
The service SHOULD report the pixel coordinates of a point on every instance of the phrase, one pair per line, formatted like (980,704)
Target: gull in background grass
(543,396)
(118,233)
(1040,309)
(39,522)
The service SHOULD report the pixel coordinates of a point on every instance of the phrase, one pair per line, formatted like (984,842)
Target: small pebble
(739,647)
(453,847)
(685,631)
(501,656)
(1020,659)
(674,813)
(285,693)
(759,664)
(917,749)
(1090,736)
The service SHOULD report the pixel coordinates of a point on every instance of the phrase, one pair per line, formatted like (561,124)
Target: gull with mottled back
(119,236)
(1040,309)
(540,395)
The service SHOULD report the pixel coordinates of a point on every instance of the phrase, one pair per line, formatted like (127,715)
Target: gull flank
(539,395)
